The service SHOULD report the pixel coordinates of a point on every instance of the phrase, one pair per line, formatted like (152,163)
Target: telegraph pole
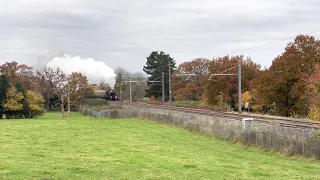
(239,86)
(169,81)
(120,95)
(130,88)
(163,96)
(68,100)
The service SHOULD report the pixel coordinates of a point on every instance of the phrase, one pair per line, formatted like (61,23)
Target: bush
(145,99)
(14,104)
(154,100)
(35,105)
(23,105)
(314,113)
(95,102)
(189,102)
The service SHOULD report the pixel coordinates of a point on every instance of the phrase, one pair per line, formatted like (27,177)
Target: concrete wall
(288,140)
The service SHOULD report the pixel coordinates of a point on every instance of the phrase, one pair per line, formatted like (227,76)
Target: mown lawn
(88,148)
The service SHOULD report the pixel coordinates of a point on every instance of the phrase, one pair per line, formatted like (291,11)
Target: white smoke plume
(96,71)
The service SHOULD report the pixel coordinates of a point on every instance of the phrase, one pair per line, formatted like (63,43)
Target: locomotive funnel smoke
(95,71)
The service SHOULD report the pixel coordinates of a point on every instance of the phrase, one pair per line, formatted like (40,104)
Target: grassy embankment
(87,148)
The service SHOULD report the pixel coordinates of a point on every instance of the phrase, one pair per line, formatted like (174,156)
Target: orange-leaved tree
(224,89)
(313,92)
(20,73)
(283,83)
(193,87)
(79,88)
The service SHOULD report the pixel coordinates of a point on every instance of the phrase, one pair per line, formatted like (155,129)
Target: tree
(69,89)
(62,90)
(196,83)
(21,89)
(35,103)
(224,89)
(105,86)
(313,84)
(189,92)
(20,72)
(199,67)
(246,97)
(156,64)
(313,94)
(261,91)
(283,84)
(79,88)
(13,105)
(4,85)
(49,79)
(138,89)
(53,83)
(123,77)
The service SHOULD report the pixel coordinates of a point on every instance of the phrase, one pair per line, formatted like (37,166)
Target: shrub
(35,105)
(178,96)
(314,113)
(14,104)
(95,102)
(145,99)
(189,103)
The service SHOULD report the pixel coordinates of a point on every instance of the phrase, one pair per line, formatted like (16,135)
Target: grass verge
(93,148)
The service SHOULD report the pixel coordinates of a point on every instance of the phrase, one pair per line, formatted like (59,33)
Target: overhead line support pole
(163,95)
(169,81)
(239,83)
(130,88)
(239,86)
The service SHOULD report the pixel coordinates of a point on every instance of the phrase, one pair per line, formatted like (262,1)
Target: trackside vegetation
(80,147)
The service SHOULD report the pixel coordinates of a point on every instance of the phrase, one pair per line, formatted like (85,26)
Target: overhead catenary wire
(239,63)
(274,42)
(254,47)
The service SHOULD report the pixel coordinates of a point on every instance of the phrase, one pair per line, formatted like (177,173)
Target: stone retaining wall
(288,140)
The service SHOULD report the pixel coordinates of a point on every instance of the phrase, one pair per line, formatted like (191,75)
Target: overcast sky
(125,32)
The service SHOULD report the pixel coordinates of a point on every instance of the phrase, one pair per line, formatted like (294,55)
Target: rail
(266,120)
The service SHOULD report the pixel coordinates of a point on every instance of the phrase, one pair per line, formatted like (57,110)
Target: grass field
(88,148)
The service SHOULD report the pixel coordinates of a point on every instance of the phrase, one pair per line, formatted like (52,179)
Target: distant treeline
(290,87)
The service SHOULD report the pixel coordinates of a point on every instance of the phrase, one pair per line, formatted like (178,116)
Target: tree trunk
(47,102)
(68,101)
(62,106)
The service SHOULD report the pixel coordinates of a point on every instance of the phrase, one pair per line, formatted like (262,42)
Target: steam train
(108,95)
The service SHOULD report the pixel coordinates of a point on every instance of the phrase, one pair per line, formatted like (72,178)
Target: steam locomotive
(108,95)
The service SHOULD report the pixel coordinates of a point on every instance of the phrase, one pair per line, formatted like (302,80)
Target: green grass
(89,148)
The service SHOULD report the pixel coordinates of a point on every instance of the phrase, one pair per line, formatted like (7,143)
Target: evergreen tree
(4,85)
(156,64)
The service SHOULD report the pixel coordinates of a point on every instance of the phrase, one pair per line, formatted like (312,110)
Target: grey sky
(125,32)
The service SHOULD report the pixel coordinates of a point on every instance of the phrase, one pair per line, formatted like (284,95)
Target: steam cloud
(96,71)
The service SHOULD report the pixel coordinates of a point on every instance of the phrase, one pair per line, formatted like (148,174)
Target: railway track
(266,120)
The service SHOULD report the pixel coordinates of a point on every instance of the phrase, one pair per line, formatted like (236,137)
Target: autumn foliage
(290,87)
(283,84)
(313,89)
(190,86)
(18,92)
(24,94)
(79,88)
(223,90)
